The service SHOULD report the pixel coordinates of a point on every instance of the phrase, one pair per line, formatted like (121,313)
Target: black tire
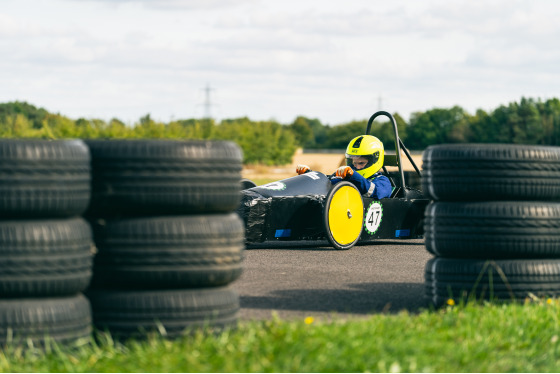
(493,229)
(159,177)
(45,257)
(476,172)
(62,319)
(169,252)
(502,280)
(42,178)
(171,313)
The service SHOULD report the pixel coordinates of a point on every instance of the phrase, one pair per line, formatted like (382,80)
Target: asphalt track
(298,280)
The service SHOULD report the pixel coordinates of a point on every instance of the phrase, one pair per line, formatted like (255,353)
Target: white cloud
(275,59)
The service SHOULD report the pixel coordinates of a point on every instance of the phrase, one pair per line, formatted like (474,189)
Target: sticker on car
(373,217)
(276,186)
(313,175)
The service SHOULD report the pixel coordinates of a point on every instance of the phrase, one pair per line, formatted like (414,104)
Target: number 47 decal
(373,217)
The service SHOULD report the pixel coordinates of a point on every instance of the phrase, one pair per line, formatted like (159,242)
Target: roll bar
(398,143)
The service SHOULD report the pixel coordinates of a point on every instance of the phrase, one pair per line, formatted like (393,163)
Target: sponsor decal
(276,186)
(313,175)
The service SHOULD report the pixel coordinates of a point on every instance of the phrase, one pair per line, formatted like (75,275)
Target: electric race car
(310,207)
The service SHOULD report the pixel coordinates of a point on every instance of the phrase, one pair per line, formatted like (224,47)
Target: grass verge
(464,338)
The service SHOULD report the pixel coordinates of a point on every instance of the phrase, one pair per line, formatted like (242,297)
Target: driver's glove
(302,169)
(344,172)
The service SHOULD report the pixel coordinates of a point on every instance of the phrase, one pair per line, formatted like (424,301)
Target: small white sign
(373,217)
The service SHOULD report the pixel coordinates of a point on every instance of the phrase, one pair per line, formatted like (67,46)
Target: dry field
(323,162)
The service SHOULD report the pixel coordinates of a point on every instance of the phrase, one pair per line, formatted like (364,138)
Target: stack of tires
(168,241)
(46,247)
(494,224)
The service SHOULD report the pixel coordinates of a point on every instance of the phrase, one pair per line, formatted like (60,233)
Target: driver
(364,159)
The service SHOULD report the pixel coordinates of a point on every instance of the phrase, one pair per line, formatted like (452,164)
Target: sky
(336,61)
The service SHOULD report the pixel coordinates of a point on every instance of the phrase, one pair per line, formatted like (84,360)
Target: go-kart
(310,207)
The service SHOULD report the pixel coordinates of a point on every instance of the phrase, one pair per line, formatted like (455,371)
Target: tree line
(529,121)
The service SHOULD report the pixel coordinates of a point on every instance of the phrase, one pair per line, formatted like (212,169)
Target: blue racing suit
(377,186)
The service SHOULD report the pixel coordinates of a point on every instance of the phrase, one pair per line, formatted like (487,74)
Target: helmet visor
(361,162)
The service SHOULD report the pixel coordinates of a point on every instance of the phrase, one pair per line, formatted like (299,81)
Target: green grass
(471,338)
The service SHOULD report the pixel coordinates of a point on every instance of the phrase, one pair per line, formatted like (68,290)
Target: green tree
(550,119)
(319,133)
(309,133)
(149,129)
(507,124)
(528,121)
(116,129)
(175,130)
(438,126)
(33,114)
(17,126)
(90,128)
(268,143)
(483,128)
(339,136)
(422,131)
(196,128)
(530,126)
(302,131)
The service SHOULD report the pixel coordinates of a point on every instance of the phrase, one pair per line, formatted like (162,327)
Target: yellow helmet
(368,147)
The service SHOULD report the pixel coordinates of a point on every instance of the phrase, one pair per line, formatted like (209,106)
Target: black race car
(310,207)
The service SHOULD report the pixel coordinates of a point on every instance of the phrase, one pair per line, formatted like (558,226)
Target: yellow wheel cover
(346,215)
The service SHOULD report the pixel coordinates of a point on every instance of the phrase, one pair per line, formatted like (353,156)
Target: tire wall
(46,247)
(127,237)
(168,241)
(494,223)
